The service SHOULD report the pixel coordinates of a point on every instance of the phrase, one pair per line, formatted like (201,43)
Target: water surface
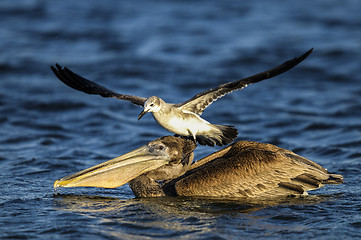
(175,50)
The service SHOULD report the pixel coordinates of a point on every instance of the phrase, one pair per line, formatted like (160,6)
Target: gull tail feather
(221,135)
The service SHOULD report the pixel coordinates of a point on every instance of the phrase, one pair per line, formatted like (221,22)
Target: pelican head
(152,104)
(162,155)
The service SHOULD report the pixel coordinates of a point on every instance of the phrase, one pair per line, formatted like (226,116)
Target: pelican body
(183,118)
(244,169)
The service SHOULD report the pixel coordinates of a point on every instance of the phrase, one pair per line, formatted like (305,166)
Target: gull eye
(152,104)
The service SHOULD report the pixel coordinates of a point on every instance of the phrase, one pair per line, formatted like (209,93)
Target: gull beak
(142,114)
(117,171)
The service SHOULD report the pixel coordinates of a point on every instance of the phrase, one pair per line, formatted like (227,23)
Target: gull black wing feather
(79,83)
(202,100)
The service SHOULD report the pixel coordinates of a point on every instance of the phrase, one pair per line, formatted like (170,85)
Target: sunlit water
(175,49)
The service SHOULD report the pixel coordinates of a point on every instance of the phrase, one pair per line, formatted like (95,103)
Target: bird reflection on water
(175,205)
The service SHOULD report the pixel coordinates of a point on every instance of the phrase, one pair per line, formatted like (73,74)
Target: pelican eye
(160,147)
(157,147)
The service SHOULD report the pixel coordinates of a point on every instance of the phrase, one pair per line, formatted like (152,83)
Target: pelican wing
(79,83)
(202,100)
(251,170)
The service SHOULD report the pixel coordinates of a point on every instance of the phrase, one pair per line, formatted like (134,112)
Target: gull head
(153,104)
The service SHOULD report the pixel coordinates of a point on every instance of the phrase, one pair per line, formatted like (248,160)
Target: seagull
(183,119)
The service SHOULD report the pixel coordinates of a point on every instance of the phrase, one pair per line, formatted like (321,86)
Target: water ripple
(174,50)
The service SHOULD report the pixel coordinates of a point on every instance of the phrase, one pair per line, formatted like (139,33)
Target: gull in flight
(184,119)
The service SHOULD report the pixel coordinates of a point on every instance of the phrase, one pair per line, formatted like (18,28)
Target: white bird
(182,118)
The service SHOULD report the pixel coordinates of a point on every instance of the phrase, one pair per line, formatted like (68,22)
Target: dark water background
(174,49)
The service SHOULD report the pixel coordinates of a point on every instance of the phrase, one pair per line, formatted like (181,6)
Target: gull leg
(191,135)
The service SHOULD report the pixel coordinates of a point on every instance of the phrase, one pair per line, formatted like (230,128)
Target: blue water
(175,49)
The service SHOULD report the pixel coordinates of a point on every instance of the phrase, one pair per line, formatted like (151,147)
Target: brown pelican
(244,169)
(182,118)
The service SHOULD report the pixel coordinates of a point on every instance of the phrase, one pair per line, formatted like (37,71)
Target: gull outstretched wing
(202,100)
(79,83)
